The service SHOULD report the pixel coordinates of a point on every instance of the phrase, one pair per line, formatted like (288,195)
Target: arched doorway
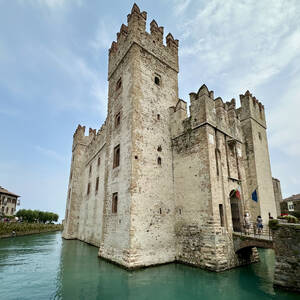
(235,211)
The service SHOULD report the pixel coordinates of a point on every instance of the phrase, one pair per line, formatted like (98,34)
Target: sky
(53,76)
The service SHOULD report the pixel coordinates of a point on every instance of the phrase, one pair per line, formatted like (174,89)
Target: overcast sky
(53,76)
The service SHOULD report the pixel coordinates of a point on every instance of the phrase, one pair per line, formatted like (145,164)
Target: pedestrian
(247,223)
(259,224)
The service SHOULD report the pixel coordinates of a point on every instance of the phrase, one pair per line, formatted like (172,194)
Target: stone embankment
(286,239)
(20,229)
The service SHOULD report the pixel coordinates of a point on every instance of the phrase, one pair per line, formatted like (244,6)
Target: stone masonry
(156,184)
(287,254)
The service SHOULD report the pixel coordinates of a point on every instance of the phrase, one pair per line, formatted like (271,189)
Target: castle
(155,184)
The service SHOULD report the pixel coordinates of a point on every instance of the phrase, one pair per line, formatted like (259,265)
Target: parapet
(252,108)
(79,136)
(204,109)
(135,32)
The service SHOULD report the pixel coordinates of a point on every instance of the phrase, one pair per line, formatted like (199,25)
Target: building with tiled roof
(8,202)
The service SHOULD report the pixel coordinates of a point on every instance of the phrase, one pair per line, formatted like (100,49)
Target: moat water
(47,267)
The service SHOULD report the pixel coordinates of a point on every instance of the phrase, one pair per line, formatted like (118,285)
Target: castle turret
(257,161)
(139,204)
(74,197)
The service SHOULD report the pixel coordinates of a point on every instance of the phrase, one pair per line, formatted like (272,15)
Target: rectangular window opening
(119,84)
(221,214)
(97,184)
(88,189)
(116,161)
(117,120)
(114,207)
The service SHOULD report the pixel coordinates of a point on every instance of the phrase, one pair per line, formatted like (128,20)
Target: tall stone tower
(143,84)
(257,160)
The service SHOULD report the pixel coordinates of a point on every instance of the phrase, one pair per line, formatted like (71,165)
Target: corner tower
(257,159)
(139,204)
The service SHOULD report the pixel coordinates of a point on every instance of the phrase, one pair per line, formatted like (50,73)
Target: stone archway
(235,211)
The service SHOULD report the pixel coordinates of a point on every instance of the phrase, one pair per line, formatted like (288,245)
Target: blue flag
(254,196)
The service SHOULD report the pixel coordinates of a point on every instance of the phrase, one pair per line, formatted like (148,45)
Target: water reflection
(46,267)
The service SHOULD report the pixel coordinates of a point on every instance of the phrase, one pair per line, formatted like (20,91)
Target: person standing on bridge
(259,224)
(247,223)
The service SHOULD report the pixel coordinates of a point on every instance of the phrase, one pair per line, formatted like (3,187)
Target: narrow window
(160,211)
(97,184)
(88,189)
(12,211)
(90,171)
(119,84)
(99,161)
(217,161)
(114,207)
(159,148)
(158,116)
(116,161)
(117,120)
(221,215)
(259,135)
(180,211)
(159,161)
(157,80)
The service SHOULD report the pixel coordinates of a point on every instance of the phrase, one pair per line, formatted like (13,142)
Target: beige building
(8,202)
(160,181)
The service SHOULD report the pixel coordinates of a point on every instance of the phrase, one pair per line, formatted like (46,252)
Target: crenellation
(157,33)
(252,108)
(135,33)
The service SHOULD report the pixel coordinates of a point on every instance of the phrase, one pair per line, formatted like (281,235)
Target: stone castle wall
(287,255)
(177,170)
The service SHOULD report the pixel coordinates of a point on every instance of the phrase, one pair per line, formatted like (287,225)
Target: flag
(254,196)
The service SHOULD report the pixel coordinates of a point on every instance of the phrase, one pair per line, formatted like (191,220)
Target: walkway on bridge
(242,240)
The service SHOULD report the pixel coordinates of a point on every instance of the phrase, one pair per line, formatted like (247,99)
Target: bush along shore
(18,229)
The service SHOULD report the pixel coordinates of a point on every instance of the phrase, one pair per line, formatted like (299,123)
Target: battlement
(205,109)
(96,143)
(135,33)
(79,136)
(251,108)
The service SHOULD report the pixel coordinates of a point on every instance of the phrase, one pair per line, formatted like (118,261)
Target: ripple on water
(46,267)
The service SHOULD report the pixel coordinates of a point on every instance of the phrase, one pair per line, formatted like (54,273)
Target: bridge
(243,241)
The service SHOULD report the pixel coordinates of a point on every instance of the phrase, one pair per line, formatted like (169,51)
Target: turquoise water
(46,267)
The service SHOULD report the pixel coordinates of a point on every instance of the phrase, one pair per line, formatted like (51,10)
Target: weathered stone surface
(176,171)
(287,254)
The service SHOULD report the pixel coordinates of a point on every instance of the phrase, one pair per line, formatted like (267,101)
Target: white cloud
(258,37)
(180,6)
(52,4)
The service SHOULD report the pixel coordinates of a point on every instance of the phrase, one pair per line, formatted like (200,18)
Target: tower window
(157,80)
(88,189)
(99,161)
(159,149)
(114,207)
(159,161)
(97,184)
(221,215)
(119,84)
(116,161)
(259,135)
(117,120)
(90,170)
(160,211)
(158,116)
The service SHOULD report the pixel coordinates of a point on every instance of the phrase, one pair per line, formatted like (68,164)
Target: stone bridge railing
(241,241)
